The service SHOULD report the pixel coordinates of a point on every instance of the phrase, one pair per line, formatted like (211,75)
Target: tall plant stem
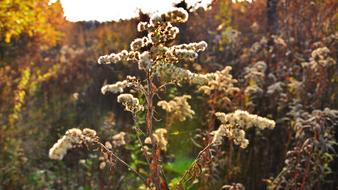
(155,153)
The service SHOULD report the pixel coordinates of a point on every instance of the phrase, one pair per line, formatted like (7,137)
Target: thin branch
(192,166)
(167,84)
(121,161)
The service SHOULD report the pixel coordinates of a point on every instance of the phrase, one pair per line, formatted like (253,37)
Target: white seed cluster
(142,26)
(183,52)
(151,50)
(139,43)
(116,87)
(245,120)
(169,55)
(163,33)
(130,103)
(195,46)
(160,28)
(221,82)
(72,138)
(119,86)
(123,56)
(161,138)
(145,61)
(178,108)
(176,15)
(234,125)
(170,72)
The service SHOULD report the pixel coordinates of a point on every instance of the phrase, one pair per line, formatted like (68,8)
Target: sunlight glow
(107,10)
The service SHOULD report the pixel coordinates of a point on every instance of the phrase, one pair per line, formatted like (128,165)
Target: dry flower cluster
(319,58)
(119,86)
(220,82)
(73,137)
(164,71)
(119,139)
(160,31)
(130,103)
(123,56)
(178,108)
(234,125)
(161,138)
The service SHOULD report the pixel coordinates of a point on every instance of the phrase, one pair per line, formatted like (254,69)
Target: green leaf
(179,166)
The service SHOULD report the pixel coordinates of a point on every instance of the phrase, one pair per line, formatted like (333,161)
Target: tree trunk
(272,16)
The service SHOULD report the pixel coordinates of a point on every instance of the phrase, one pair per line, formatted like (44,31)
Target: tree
(272,21)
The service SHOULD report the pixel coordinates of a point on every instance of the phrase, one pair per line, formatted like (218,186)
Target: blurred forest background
(50,82)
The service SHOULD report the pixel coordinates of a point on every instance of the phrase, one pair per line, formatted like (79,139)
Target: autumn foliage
(257,109)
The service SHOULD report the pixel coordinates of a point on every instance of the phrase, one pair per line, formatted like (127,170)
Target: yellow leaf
(8,36)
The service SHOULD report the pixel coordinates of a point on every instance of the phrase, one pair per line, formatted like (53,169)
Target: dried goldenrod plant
(159,60)
(234,125)
(154,55)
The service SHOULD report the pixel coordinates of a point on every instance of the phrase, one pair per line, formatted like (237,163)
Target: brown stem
(211,122)
(154,165)
(211,126)
(307,170)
